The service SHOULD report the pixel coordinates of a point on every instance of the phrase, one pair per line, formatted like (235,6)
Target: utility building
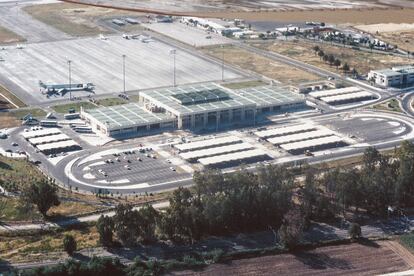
(399,77)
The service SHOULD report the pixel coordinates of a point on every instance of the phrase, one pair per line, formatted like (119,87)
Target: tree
(354,231)
(69,244)
(126,224)
(292,229)
(325,58)
(331,59)
(371,46)
(147,217)
(316,49)
(105,227)
(346,68)
(405,180)
(337,63)
(321,54)
(42,194)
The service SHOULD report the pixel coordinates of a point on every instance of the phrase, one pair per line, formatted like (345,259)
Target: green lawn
(391,105)
(111,101)
(64,108)
(407,241)
(245,84)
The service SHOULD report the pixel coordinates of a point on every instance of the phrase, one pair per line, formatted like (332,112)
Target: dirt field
(260,65)
(404,39)
(401,35)
(12,118)
(8,37)
(6,96)
(362,61)
(355,259)
(76,20)
(362,12)
(356,16)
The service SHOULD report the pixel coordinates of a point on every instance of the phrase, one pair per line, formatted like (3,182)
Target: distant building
(163,19)
(205,24)
(402,76)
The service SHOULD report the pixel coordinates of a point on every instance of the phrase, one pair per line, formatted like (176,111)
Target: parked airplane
(127,36)
(62,89)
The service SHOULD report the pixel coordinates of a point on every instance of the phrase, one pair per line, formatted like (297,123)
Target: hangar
(199,106)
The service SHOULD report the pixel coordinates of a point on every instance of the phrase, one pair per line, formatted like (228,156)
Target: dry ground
(356,16)
(5,93)
(9,37)
(12,118)
(354,259)
(404,39)
(76,20)
(32,247)
(362,61)
(263,66)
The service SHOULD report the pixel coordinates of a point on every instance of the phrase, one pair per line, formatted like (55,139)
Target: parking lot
(148,65)
(369,128)
(126,168)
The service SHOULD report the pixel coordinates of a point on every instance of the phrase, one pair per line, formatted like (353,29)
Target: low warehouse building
(200,106)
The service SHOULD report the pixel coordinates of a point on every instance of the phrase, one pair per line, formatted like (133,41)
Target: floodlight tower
(123,71)
(222,63)
(174,53)
(70,78)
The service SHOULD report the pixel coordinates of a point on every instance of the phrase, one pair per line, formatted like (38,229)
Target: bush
(69,244)
(354,231)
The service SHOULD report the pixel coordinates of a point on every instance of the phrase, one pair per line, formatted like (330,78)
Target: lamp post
(123,71)
(174,53)
(70,78)
(222,63)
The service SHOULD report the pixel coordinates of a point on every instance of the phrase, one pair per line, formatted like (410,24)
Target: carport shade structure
(194,155)
(203,144)
(347,98)
(300,136)
(334,92)
(274,132)
(40,133)
(49,139)
(227,160)
(299,147)
(57,147)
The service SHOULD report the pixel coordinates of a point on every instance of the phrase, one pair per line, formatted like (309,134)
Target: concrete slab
(187,34)
(148,65)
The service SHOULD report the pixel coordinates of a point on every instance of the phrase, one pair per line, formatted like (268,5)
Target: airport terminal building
(200,106)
